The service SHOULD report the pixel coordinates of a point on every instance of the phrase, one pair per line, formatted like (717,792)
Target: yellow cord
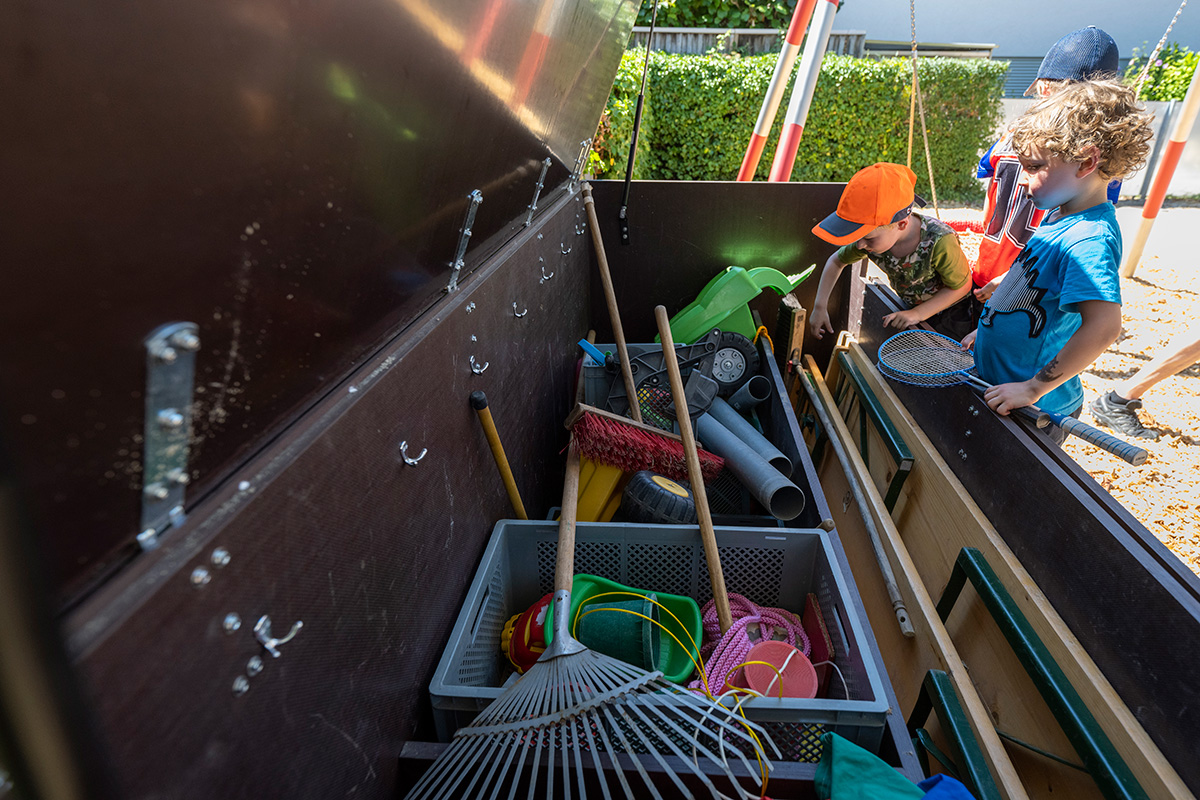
(762,331)
(760,749)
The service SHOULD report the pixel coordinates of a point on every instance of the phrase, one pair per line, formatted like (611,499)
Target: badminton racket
(925,358)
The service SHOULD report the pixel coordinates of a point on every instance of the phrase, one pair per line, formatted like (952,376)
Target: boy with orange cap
(920,255)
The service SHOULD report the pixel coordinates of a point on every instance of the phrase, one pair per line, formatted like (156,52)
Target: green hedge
(700,111)
(721,13)
(1169,76)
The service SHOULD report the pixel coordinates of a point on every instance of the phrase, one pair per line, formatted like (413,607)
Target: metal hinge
(585,147)
(474,198)
(537,190)
(170,374)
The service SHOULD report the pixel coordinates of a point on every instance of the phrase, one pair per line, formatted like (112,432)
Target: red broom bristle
(631,449)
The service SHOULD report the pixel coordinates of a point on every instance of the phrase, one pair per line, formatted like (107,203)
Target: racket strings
(925,358)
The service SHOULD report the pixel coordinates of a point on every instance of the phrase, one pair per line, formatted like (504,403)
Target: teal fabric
(848,772)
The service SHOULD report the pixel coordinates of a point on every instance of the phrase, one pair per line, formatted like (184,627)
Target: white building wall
(1022,27)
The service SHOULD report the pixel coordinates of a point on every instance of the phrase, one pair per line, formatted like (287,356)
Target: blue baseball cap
(1081,55)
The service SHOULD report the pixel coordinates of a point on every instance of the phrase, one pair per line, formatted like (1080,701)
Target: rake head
(577,709)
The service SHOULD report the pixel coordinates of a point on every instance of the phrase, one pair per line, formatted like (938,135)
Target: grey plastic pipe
(724,413)
(782,498)
(753,392)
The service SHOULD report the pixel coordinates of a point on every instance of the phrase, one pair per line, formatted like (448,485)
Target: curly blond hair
(1104,115)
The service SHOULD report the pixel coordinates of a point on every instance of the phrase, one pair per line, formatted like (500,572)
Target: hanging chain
(912,106)
(1137,85)
(917,104)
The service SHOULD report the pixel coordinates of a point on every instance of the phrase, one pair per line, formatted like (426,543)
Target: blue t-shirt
(1033,312)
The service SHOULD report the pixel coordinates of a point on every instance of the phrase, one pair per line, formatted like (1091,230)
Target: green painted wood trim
(896,446)
(1103,763)
(938,694)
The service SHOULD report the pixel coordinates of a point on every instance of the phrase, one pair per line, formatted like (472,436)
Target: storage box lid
(292,178)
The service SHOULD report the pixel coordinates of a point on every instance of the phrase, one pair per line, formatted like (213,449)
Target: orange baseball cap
(877,195)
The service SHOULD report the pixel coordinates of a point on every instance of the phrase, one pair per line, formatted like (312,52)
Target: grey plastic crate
(770,566)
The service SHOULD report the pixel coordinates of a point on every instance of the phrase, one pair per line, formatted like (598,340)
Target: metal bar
(783,70)
(1105,765)
(1162,178)
(802,93)
(885,566)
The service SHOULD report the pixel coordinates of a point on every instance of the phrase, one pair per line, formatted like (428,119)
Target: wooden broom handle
(564,566)
(610,297)
(707,534)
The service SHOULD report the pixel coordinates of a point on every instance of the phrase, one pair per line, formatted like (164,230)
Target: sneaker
(1121,415)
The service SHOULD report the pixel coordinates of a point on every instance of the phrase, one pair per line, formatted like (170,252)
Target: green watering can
(722,303)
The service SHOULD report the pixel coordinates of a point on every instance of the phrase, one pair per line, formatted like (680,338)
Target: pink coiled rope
(722,653)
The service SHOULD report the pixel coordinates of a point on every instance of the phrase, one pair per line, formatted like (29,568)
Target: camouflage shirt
(937,262)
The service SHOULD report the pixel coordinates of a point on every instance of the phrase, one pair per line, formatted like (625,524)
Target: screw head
(170,419)
(232,622)
(962,454)
(186,340)
(967,434)
(254,666)
(156,491)
(220,557)
(240,685)
(200,577)
(165,354)
(179,476)
(148,539)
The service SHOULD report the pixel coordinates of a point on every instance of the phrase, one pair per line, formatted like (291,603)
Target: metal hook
(545,277)
(519,313)
(478,370)
(412,462)
(564,249)
(262,632)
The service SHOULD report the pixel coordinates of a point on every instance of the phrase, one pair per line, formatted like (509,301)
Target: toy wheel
(652,498)
(735,363)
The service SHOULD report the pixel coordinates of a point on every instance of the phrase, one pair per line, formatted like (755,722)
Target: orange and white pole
(1162,176)
(802,92)
(783,71)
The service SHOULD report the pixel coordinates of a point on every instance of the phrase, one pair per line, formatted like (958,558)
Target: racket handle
(1034,414)
(1105,441)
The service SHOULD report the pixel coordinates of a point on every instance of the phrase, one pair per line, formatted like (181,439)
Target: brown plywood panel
(331,528)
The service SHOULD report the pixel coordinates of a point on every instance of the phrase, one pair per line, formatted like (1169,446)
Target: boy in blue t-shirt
(1059,307)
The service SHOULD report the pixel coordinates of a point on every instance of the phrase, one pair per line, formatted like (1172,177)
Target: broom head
(622,443)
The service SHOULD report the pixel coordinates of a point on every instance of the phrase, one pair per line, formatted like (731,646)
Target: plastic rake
(926,358)
(576,709)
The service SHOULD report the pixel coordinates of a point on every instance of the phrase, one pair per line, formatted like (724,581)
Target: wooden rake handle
(707,534)
(564,565)
(610,297)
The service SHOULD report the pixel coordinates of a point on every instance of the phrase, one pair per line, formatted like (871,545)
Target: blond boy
(1058,308)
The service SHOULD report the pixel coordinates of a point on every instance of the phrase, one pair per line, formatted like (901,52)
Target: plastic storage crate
(770,566)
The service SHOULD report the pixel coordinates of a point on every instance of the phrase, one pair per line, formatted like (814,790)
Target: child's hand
(902,320)
(968,341)
(819,322)
(1005,397)
(986,291)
